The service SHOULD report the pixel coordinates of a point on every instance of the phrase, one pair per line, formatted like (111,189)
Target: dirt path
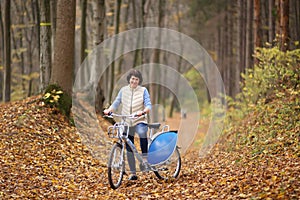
(190,136)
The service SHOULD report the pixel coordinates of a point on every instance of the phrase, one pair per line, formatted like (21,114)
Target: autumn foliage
(257,157)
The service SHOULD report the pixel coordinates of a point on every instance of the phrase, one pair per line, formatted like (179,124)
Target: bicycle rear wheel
(116,166)
(170,168)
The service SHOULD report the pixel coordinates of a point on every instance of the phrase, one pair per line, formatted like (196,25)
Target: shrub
(275,75)
(54,96)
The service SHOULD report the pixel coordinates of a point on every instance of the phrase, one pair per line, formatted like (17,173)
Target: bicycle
(163,153)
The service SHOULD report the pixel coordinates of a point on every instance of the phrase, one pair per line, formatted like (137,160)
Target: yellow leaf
(56,98)
(47,95)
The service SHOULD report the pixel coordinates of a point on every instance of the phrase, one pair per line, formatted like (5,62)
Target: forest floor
(42,157)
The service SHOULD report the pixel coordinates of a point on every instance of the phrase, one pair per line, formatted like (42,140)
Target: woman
(134,99)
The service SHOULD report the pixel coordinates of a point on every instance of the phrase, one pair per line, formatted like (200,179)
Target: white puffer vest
(133,101)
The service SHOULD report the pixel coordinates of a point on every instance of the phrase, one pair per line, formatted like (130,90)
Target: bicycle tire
(171,168)
(116,166)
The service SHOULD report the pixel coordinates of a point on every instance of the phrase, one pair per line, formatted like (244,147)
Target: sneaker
(133,177)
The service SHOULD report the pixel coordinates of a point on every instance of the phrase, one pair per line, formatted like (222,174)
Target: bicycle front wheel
(170,168)
(116,166)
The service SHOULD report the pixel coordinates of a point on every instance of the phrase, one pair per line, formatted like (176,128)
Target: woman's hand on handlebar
(140,113)
(107,112)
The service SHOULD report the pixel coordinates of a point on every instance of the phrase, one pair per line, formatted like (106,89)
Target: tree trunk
(19,43)
(243,35)
(277,22)
(53,7)
(116,25)
(249,33)
(138,56)
(30,36)
(297,20)
(154,73)
(271,22)
(232,65)
(257,24)
(294,23)
(284,24)
(83,30)
(126,15)
(7,52)
(62,70)
(174,100)
(45,44)
(99,21)
(1,52)
(239,45)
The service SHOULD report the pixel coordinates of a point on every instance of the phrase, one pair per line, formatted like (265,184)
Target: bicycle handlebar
(131,116)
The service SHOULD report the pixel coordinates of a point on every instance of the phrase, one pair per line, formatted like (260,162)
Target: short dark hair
(135,73)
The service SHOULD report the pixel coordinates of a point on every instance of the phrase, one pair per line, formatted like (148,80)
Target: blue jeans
(141,129)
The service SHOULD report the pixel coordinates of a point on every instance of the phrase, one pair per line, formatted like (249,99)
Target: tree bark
(271,22)
(83,30)
(284,24)
(62,70)
(7,52)
(1,52)
(239,45)
(257,24)
(297,20)
(249,35)
(99,20)
(154,73)
(53,7)
(116,31)
(45,44)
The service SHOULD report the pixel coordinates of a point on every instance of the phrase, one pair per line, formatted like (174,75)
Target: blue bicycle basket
(162,147)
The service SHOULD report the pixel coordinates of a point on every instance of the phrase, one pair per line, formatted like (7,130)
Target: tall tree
(1,52)
(62,70)
(99,22)
(257,23)
(249,34)
(179,63)
(53,6)
(7,52)
(239,45)
(284,24)
(83,30)
(271,21)
(30,38)
(154,73)
(117,11)
(124,27)
(45,44)
(17,42)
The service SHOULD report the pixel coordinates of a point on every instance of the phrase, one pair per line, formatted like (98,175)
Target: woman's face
(134,81)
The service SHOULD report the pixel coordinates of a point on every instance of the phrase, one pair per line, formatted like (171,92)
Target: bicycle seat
(154,125)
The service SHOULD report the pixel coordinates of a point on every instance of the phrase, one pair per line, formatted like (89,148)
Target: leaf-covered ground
(42,157)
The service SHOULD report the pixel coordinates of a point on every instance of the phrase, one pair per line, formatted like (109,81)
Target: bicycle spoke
(169,169)
(115,166)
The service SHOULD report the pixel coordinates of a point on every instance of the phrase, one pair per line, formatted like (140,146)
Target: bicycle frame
(164,166)
(117,131)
